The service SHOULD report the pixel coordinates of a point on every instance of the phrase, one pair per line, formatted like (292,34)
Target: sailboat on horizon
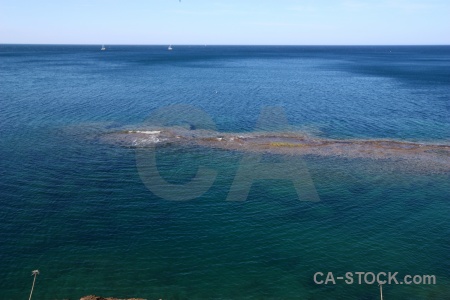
(103,48)
(170,48)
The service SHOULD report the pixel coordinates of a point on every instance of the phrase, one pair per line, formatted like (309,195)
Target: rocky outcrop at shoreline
(92,297)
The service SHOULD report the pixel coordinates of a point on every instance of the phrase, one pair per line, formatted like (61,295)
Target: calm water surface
(77,210)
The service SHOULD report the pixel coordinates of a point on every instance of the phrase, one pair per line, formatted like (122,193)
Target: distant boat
(103,48)
(170,48)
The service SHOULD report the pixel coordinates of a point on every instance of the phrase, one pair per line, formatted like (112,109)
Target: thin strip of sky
(283,22)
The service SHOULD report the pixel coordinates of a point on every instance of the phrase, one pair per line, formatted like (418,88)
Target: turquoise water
(76,209)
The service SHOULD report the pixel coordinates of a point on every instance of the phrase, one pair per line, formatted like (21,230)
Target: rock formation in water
(429,156)
(92,297)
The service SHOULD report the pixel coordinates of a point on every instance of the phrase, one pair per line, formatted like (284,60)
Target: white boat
(103,48)
(170,48)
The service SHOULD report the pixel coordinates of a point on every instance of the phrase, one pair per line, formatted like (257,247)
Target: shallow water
(75,207)
(417,156)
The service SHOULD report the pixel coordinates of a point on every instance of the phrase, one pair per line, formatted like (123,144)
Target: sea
(79,210)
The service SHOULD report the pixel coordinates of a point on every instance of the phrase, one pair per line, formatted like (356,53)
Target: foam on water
(145,138)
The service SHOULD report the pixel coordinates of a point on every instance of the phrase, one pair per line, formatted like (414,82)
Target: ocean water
(76,208)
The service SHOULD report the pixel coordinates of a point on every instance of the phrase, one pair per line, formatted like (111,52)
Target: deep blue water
(77,210)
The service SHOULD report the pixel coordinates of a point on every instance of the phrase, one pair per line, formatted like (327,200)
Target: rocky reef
(431,156)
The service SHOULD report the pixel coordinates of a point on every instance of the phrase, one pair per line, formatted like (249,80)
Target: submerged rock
(426,156)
